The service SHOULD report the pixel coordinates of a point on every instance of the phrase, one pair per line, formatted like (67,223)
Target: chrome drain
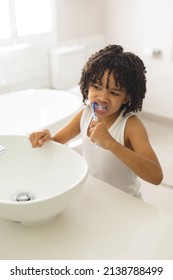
(23,196)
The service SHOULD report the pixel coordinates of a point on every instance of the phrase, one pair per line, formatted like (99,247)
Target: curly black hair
(128,71)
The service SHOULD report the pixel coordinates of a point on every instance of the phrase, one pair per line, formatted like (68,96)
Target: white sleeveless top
(102,163)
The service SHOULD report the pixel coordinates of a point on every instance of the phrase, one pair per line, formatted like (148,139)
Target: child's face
(109,100)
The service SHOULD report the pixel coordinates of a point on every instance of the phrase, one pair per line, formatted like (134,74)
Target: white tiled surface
(161,137)
(24,68)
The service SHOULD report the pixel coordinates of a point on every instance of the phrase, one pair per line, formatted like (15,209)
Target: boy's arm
(69,131)
(138,154)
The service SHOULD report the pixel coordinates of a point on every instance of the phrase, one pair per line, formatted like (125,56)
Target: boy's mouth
(100,108)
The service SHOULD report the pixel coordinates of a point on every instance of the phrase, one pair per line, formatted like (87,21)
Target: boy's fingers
(37,139)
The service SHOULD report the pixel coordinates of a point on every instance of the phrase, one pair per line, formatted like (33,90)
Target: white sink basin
(44,180)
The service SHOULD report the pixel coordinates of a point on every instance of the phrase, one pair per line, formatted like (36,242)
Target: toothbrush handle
(96,120)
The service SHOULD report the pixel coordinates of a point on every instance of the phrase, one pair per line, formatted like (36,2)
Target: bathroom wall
(76,21)
(79,18)
(23,68)
(143,26)
(140,26)
(80,22)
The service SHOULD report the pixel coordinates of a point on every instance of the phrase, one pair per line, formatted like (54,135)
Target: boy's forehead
(107,78)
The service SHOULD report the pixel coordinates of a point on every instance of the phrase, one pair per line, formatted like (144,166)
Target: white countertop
(101,223)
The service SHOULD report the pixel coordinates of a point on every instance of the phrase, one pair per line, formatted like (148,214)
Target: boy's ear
(127,100)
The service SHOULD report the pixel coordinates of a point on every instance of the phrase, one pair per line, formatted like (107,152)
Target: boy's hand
(37,139)
(100,135)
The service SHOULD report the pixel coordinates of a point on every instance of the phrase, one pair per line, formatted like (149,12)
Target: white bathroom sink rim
(54,194)
(44,199)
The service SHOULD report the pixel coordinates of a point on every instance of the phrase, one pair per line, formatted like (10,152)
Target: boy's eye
(96,86)
(114,93)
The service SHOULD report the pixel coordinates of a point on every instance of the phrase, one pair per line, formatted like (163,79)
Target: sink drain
(23,196)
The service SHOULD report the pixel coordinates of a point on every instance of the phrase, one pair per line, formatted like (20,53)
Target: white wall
(136,24)
(76,21)
(79,18)
(141,24)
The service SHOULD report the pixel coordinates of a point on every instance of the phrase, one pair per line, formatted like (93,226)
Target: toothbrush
(94,114)
(94,118)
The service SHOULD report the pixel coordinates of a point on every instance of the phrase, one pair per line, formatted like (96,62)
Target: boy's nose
(103,95)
